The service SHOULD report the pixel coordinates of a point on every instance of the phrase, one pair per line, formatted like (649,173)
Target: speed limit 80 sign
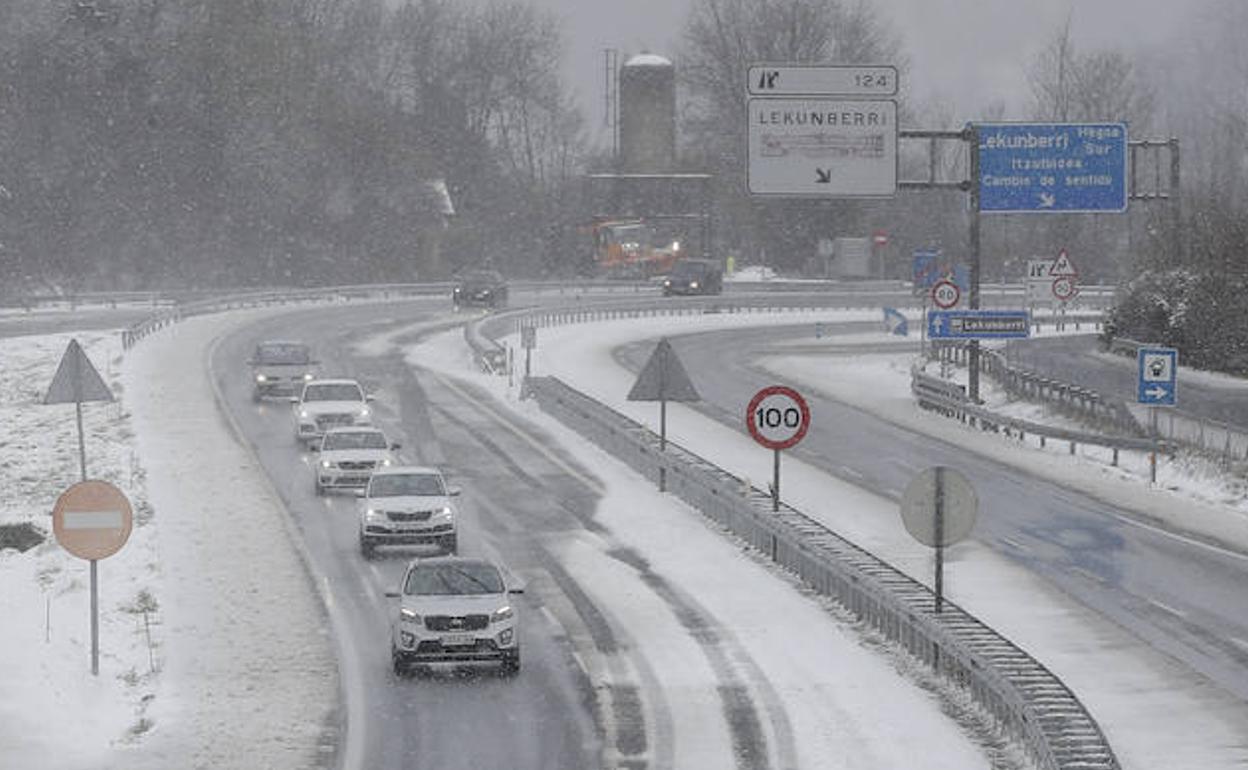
(778,417)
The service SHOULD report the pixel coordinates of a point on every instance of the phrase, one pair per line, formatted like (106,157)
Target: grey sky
(965,52)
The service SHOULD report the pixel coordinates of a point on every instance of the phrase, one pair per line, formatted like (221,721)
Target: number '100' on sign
(777,417)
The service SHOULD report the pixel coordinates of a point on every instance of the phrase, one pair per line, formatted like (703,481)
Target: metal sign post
(92,520)
(939,509)
(663,378)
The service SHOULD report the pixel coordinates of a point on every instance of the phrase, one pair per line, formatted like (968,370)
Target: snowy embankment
(1154,712)
(230,665)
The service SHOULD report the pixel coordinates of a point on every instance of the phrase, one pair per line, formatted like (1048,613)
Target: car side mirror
(361,493)
(392,594)
(314,447)
(395,446)
(369,397)
(514,591)
(294,399)
(454,491)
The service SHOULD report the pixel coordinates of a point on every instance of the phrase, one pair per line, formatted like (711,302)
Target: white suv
(326,404)
(407,505)
(348,457)
(454,610)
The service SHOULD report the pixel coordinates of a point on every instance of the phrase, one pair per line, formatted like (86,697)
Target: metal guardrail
(1026,700)
(935,393)
(1083,403)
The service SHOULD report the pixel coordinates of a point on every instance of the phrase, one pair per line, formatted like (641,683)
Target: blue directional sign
(927,267)
(1158,383)
(978,324)
(1052,167)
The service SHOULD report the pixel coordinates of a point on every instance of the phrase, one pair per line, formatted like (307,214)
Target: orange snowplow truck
(626,249)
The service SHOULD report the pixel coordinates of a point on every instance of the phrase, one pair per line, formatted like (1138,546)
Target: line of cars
(451,609)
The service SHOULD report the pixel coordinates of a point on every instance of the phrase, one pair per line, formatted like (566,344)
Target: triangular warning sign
(663,378)
(1063,266)
(76,379)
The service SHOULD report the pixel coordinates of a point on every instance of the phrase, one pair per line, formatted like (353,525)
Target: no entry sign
(92,520)
(777,417)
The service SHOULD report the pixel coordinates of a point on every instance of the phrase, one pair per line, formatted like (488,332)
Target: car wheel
(511,664)
(396,662)
(367,548)
(450,545)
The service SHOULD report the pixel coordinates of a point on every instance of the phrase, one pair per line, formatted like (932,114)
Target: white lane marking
(850,472)
(1095,578)
(1240,643)
(552,457)
(1167,608)
(1182,538)
(1011,542)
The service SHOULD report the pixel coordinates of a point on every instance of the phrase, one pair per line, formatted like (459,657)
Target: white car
(454,610)
(348,457)
(325,404)
(407,505)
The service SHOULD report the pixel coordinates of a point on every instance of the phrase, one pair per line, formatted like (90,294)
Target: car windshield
(373,439)
(333,392)
(690,269)
(407,484)
(482,278)
(453,579)
(282,353)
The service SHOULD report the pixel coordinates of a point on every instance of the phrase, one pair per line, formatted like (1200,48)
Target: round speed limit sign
(945,294)
(1065,288)
(778,417)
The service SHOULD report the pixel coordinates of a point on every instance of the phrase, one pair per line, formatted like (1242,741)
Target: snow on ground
(1154,712)
(238,672)
(846,703)
(53,713)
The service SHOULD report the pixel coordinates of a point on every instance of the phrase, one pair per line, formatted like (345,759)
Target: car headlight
(409,616)
(364,412)
(693,284)
(445,512)
(505,636)
(261,378)
(326,464)
(303,413)
(500,615)
(386,462)
(668,282)
(307,377)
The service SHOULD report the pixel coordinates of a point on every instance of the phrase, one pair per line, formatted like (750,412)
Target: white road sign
(1039,281)
(821,80)
(1063,266)
(834,148)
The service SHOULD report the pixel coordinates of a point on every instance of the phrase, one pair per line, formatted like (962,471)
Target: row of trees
(233,142)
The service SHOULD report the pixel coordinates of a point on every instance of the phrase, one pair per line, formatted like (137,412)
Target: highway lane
(538,720)
(1078,359)
(1181,596)
(522,500)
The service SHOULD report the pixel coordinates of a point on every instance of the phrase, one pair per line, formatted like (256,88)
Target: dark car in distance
(694,276)
(480,288)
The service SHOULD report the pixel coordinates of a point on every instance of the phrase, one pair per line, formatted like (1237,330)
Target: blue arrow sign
(978,324)
(1052,167)
(1158,381)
